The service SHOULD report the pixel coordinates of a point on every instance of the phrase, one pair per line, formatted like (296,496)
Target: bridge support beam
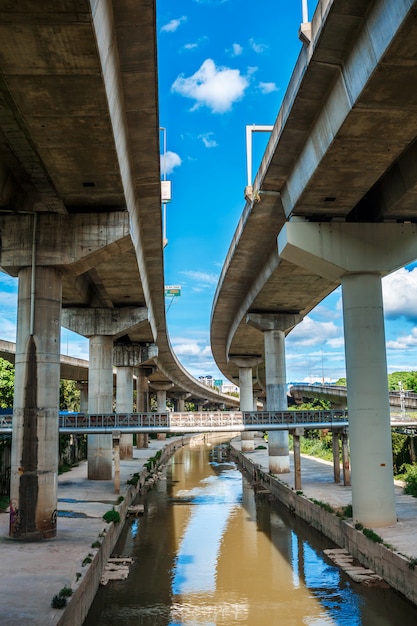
(357,255)
(245,365)
(34,463)
(274,326)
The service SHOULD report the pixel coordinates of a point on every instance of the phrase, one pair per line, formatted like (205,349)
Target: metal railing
(192,421)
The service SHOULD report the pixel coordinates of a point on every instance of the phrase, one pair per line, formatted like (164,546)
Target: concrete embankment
(394,559)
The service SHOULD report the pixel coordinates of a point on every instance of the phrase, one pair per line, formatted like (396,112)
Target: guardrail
(192,422)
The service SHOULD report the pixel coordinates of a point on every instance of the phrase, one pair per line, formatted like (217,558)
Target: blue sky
(222,67)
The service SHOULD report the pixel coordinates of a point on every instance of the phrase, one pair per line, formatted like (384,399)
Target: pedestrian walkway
(32,573)
(318,483)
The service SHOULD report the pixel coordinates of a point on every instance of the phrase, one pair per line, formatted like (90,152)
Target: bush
(112,516)
(58,602)
(410,479)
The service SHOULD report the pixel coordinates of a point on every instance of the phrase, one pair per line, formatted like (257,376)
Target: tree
(6,384)
(69,396)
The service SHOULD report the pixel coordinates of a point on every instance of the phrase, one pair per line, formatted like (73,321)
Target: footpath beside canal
(31,574)
(391,553)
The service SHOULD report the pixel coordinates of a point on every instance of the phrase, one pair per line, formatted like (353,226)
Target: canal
(209,551)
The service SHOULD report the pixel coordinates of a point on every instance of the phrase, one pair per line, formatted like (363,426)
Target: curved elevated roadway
(343,149)
(80,165)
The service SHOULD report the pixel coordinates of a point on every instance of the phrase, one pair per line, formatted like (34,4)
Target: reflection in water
(208,552)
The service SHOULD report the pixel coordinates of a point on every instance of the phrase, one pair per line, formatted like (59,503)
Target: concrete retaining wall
(395,569)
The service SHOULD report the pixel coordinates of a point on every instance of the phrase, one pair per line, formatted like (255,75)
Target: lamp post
(165,189)
(304,33)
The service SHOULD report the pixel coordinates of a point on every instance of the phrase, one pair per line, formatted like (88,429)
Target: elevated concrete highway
(333,202)
(79,168)
(342,150)
(80,225)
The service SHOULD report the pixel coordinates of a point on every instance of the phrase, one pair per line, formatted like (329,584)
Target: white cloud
(172,26)
(202,278)
(190,46)
(259,48)
(237,49)
(208,141)
(215,87)
(400,294)
(267,87)
(169,161)
(312,333)
(404,342)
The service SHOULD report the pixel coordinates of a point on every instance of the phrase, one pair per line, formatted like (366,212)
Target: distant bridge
(338,395)
(206,421)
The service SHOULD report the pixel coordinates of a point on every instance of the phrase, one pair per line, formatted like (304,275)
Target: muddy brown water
(209,551)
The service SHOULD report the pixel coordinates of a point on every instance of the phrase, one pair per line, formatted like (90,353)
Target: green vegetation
(87,559)
(324,505)
(410,479)
(60,600)
(112,516)
(368,532)
(96,544)
(6,384)
(316,443)
(133,480)
(69,396)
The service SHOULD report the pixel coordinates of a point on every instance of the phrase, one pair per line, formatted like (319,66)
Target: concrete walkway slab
(32,573)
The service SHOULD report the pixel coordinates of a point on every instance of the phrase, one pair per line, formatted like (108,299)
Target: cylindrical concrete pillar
(34,463)
(276,398)
(345,459)
(142,401)
(246,404)
(336,456)
(161,400)
(124,404)
(100,401)
(368,401)
(83,389)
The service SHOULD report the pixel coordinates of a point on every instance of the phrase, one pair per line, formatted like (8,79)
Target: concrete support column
(298,432)
(124,404)
(358,255)
(100,400)
(142,400)
(336,456)
(83,389)
(34,463)
(373,499)
(345,459)
(274,326)
(245,365)
(161,400)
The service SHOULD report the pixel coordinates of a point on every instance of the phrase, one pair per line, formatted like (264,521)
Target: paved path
(32,573)
(317,482)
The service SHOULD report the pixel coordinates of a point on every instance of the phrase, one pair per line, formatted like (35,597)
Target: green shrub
(112,516)
(58,602)
(134,480)
(368,532)
(96,544)
(66,592)
(410,479)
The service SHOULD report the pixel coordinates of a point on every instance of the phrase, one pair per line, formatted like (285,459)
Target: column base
(279,464)
(247,442)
